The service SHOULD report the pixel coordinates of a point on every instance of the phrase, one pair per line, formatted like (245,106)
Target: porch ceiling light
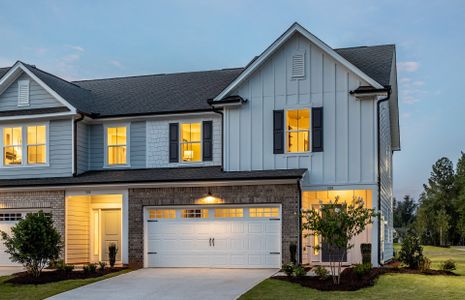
(209,199)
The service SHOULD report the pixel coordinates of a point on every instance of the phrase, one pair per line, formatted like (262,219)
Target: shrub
(293,252)
(365,249)
(425,264)
(448,265)
(321,272)
(112,250)
(59,265)
(34,242)
(299,271)
(411,252)
(102,265)
(288,269)
(68,268)
(362,269)
(92,268)
(86,269)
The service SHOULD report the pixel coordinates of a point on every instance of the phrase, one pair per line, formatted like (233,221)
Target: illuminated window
(12,146)
(11,217)
(229,212)
(195,213)
(117,145)
(298,130)
(36,145)
(191,142)
(162,214)
(263,212)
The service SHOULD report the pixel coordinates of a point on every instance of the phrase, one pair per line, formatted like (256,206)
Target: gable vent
(23,92)
(298,64)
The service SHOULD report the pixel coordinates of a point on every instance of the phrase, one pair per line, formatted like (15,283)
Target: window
(191,142)
(298,130)
(263,212)
(36,145)
(162,214)
(11,217)
(195,213)
(23,92)
(117,145)
(12,146)
(229,213)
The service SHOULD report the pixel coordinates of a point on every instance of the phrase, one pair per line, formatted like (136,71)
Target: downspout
(378,132)
(75,143)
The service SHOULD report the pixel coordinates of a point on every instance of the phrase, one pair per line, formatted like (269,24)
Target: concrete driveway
(5,271)
(173,283)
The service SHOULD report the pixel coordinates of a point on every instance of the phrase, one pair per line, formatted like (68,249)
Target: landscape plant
(299,271)
(321,272)
(411,252)
(337,223)
(34,242)
(448,265)
(102,265)
(288,269)
(112,250)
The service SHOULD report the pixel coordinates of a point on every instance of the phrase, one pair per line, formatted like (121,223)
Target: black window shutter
(174,142)
(317,129)
(278,131)
(207,141)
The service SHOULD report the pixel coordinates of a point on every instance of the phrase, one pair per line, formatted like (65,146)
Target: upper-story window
(25,145)
(298,130)
(117,145)
(191,141)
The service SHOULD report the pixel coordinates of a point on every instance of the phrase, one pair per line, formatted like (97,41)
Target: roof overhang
(368,92)
(295,28)
(229,101)
(17,69)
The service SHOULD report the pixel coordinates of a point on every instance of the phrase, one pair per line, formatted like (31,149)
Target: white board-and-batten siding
(349,124)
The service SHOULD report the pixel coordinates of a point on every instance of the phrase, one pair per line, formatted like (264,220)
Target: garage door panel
(5,257)
(256,227)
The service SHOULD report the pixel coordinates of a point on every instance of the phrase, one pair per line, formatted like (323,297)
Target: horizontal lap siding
(38,97)
(60,155)
(96,147)
(82,147)
(138,144)
(77,229)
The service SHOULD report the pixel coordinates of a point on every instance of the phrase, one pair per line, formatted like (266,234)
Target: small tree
(112,250)
(34,242)
(337,223)
(411,252)
(442,224)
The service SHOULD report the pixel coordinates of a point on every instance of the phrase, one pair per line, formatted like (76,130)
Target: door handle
(210,242)
(213,242)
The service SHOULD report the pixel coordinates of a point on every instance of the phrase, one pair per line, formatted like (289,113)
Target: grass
(42,291)
(393,286)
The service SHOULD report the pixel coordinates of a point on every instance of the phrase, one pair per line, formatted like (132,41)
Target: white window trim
(180,143)
(128,145)
(28,83)
(24,163)
(309,131)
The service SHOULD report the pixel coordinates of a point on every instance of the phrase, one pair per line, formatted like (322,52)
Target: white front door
(7,220)
(229,237)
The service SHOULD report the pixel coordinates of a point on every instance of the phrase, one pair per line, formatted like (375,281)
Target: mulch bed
(55,276)
(351,282)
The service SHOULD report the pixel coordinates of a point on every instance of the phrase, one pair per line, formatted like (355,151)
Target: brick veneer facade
(53,201)
(285,194)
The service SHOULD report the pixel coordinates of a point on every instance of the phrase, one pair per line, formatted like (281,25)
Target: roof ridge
(55,76)
(364,46)
(153,75)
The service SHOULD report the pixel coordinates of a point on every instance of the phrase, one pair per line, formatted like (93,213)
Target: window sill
(25,166)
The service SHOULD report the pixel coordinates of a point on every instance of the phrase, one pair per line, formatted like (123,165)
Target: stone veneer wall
(285,194)
(46,200)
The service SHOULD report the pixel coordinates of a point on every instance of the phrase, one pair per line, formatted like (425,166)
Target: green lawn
(392,286)
(42,291)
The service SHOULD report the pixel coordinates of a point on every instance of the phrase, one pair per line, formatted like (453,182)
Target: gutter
(378,110)
(75,143)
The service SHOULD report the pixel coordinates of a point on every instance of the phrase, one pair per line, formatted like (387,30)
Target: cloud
(410,100)
(407,66)
(406,115)
(411,90)
(116,63)
(76,48)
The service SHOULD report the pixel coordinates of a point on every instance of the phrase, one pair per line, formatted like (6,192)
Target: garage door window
(11,217)
(263,212)
(229,213)
(195,213)
(162,214)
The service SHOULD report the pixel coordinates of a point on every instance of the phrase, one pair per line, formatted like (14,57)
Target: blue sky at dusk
(91,39)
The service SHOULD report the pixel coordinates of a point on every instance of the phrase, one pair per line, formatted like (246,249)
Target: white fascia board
(41,116)
(279,42)
(19,65)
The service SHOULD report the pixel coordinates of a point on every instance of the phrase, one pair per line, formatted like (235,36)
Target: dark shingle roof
(3,71)
(155,175)
(375,61)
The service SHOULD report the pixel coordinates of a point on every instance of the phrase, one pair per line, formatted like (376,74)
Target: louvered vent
(298,64)
(23,92)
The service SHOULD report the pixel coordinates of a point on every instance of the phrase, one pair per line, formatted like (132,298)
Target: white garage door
(7,220)
(229,237)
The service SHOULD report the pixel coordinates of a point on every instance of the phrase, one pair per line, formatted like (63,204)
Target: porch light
(209,199)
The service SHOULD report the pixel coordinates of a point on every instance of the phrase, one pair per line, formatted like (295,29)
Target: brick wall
(46,200)
(287,195)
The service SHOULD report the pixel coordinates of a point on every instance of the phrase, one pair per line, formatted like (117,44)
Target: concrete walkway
(5,271)
(173,283)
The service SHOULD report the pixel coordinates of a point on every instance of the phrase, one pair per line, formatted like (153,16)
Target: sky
(94,39)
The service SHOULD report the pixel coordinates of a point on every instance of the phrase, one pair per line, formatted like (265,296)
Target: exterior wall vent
(298,64)
(23,93)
